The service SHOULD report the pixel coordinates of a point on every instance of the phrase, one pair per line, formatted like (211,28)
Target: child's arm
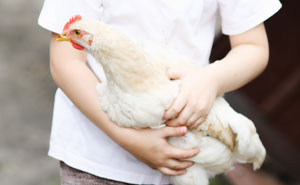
(71,74)
(199,87)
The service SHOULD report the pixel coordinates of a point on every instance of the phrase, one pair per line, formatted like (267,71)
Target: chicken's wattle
(77,46)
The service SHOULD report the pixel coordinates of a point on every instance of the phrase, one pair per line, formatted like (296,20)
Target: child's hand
(151,147)
(198,91)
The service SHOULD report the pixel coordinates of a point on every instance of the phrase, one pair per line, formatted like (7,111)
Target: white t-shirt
(186,25)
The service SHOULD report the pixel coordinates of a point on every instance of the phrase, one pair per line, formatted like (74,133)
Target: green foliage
(219,180)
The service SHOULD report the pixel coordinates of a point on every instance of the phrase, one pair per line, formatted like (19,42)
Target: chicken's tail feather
(249,148)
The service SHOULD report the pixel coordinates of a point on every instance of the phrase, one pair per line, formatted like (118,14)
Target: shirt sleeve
(239,16)
(55,13)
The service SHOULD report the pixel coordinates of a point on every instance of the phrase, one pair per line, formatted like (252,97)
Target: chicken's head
(95,37)
(79,32)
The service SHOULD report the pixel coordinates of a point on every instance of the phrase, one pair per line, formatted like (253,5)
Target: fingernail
(183,130)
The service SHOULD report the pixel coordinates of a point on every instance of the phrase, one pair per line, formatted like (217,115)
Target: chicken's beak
(63,37)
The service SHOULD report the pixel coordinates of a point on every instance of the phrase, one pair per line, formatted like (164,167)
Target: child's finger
(173,131)
(197,123)
(178,153)
(192,120)
(174,123)
(170,172)
(175,73)
(182,119)
(178,165)
(176,107)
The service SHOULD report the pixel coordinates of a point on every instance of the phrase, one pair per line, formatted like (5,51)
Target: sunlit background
(27,91)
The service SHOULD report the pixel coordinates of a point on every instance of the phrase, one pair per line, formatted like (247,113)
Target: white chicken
(137,92)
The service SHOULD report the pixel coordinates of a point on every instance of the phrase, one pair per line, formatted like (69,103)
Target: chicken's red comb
(71,21)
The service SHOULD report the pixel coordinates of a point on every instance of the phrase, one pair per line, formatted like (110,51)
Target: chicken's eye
(77,32)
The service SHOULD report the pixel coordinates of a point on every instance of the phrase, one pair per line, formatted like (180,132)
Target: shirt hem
(83,164)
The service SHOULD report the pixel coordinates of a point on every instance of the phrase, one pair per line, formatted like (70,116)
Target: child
(116,155)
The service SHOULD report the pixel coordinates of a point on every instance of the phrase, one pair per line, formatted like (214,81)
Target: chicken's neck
(129,67)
